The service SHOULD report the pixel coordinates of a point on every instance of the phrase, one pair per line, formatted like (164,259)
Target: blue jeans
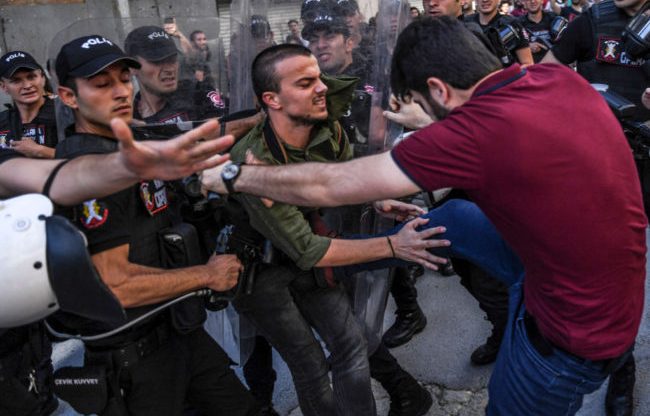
(523,381)
(472,236)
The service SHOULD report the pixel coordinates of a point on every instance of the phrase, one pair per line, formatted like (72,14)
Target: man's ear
(271,100)
(67,96)
(438,90)
(349,44)
(3,85)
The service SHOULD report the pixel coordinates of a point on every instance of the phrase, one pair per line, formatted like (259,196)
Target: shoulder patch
(93,214)
(610,50)
(3,139)
(154,196)
(216,99)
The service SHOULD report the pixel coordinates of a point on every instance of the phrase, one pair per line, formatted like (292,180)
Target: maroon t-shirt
(541,153)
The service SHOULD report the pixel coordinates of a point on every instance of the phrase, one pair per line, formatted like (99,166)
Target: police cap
(88,55)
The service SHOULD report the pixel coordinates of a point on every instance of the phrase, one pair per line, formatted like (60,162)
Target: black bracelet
(390,244)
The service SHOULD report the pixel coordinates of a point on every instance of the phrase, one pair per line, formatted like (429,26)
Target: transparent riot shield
(371,288)
(182,79)
(393,16)
(178,86)
(250,33)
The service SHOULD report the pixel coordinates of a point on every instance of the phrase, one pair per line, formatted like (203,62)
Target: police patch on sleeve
(93,214)
(154,196)
(216,99)
(610,50)
(3,139)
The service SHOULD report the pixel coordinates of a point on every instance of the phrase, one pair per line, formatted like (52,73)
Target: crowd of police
(296,277)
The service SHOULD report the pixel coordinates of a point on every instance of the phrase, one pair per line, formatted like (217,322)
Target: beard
(439,112)
(305,121)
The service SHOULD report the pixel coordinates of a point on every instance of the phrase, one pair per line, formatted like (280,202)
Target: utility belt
(545,348)
(134,351)
(100,385)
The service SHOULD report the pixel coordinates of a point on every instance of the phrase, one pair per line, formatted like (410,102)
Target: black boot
(487,353)
(406,325)
(407,396)
(409,318)
(446,269)
(620,400)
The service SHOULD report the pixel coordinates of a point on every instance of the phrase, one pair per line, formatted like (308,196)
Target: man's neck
(346,65)
(484,19)
(535,17)
(28,112)
(149,103)
(290,132)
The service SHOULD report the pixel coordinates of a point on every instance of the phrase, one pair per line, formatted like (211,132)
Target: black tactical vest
(150,219)
(610,64)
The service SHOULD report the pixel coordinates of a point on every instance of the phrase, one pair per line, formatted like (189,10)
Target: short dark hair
(440,47)
(193,34)
(72,84)
(263,69)
(292,21)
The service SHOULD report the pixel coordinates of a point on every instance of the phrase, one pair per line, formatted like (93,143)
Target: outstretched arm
(99,175)
(320,184)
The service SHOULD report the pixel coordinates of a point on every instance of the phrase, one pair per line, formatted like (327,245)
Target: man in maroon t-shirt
(568,201)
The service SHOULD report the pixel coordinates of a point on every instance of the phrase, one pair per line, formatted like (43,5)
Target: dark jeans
(284,307)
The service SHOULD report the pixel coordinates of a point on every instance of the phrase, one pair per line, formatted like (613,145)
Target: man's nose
(321,88)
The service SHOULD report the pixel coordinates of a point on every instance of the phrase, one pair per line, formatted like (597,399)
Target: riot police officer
(489,19)
(163,96)
(25,367)
(30,125)
(538,24)
(165,360)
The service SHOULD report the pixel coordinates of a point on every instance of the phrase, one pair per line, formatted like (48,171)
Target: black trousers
(189,369)
(28,359)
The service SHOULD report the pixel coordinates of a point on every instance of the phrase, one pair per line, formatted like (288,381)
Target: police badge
(93,214)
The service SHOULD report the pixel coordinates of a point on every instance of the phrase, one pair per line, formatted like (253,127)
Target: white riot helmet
(45,267)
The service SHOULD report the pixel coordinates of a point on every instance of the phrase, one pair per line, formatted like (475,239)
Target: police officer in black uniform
(25,365)
(538,24)
(29,126)
(164,97)
(491,22)
(166,360)
(594,40)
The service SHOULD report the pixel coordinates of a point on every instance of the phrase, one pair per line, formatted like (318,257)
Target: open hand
(190,152)
(412,245)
